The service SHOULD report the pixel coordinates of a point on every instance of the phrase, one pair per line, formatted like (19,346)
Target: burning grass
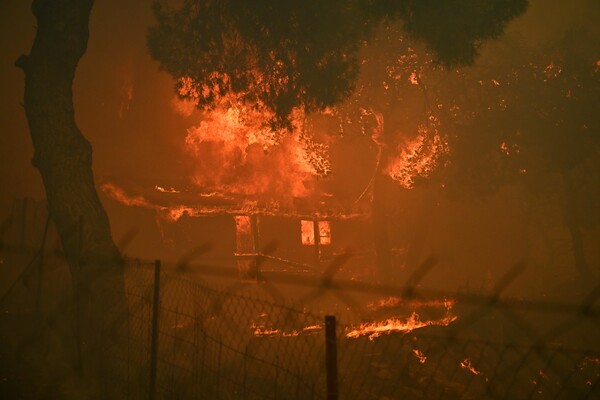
(392,325)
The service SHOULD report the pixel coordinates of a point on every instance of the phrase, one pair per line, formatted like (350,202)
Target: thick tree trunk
(64,158)
(572,224)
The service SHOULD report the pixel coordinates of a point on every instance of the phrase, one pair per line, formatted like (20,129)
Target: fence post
(154,343)
(331,357)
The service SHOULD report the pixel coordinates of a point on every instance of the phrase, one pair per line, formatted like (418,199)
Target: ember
(419,354)
(466,364)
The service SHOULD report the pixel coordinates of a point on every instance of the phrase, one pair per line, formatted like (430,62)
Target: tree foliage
(529,114)
(303,54)
(529,118)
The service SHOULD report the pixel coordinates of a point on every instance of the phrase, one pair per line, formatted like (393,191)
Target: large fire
(236,151)
(246,164)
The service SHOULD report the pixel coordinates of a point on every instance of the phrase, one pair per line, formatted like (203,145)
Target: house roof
(174,203)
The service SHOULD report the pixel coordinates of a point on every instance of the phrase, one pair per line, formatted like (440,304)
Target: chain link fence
(208,343)
(187,339)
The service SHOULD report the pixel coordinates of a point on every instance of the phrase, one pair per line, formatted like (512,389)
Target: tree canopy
(280,56)
(529,118)
(528,115)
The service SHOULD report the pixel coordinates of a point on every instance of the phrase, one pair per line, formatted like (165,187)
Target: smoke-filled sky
(126,108)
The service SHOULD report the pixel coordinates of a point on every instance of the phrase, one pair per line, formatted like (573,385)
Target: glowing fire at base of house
(391,325)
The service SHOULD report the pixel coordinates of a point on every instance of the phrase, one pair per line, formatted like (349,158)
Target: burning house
(302,235)
(254,191)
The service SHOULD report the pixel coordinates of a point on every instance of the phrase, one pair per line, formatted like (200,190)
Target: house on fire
(301,235)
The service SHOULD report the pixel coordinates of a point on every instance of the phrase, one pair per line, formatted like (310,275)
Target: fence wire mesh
(217,344)
(254,340)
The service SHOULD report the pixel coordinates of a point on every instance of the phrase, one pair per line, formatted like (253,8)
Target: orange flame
(262,331)
(236,151)
(392,301)
(419,354)
(119,194)
(466,364)
(419,157)
(376,329)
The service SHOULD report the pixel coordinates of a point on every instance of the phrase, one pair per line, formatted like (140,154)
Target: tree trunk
(572,223)
(64,158)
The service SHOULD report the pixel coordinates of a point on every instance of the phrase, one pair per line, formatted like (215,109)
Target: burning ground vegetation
(441,349)
(241,341)
(397,358)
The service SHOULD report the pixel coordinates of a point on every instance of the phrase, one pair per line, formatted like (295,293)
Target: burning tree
(281,56)
(281,59)
(526,117)
(391,105)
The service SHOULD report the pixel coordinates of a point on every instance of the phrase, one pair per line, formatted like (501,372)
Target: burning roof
(172,203)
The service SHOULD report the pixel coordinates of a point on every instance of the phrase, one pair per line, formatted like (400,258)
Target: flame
(414,78)
(213,203)
(260,330)
(552,71)
(392,302)
(466,364)
(170,213)
(119,194)
(163,190)
(307,230)
(420,156)
(324,233)
(419,354)
(376,329)
(236,151)
(236,148)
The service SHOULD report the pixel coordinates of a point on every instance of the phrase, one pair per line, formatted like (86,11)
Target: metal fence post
(331,357)
(154,342)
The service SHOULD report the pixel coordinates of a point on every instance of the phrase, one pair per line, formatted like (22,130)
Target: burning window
(244,234)
(307,230)
(324,232)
